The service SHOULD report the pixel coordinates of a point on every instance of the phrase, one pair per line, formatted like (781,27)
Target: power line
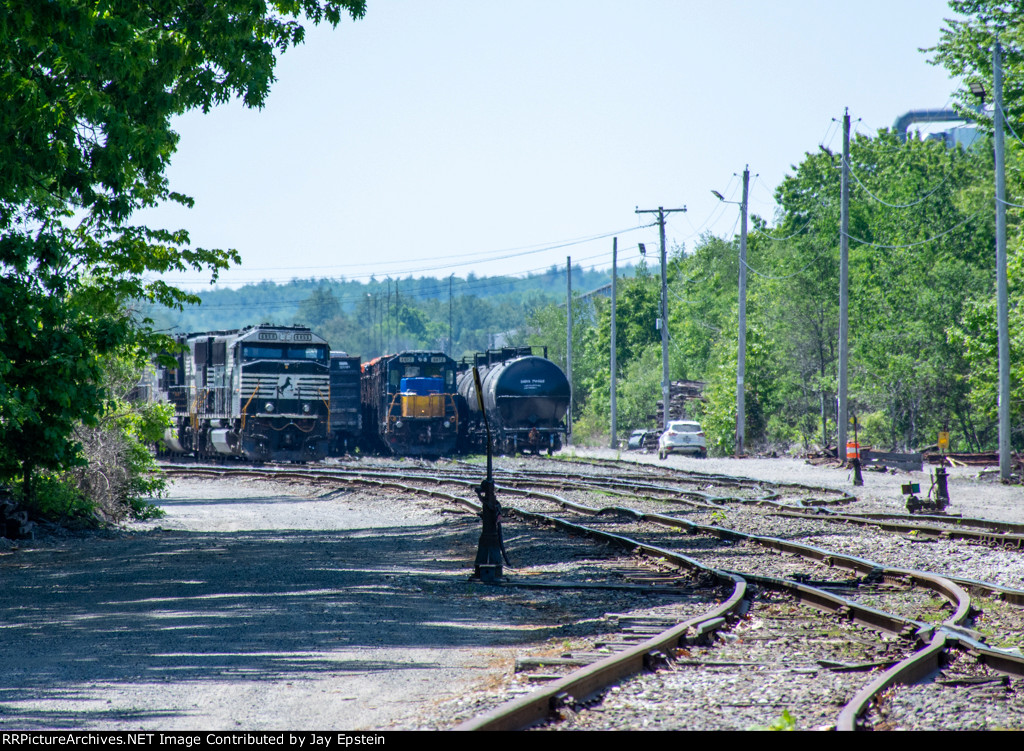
(438,290)
(920,242)
(787,237)
(897,205)
(466,259)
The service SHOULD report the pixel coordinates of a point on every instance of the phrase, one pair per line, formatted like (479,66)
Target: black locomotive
(259,393)
(410,404)
(526,398)
(346,415)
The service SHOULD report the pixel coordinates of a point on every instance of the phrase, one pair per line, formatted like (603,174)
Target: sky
(458,136)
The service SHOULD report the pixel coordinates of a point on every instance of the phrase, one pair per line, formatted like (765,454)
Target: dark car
(636,439)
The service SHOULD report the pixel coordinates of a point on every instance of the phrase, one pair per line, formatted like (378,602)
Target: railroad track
(932,617)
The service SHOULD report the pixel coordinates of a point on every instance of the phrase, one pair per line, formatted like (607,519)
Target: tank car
(526,398)
(346,418)
(260,393)
(410,404)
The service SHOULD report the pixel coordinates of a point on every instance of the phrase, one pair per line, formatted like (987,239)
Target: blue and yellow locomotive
(410,404)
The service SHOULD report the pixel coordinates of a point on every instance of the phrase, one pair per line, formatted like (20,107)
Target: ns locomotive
(260,393)
(526,398)
(410,407)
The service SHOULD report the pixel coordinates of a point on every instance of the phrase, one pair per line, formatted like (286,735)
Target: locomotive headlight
(268,407)
(398,423)
(447,423)
(305,408)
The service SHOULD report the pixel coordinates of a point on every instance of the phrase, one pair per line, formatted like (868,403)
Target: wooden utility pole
(568,342)
(663,317)
(1001,283)
(741,355)
(844,302)
(614,415)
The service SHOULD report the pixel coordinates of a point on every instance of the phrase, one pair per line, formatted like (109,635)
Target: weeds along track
(907,622)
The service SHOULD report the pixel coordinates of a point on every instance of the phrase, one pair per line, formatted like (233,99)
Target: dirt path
(248,607)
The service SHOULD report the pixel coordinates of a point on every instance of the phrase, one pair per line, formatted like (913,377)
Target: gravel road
(255,605)
(270,606)
(973,492)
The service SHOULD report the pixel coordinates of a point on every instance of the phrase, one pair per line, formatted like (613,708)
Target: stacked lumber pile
(680,393)
(961,458)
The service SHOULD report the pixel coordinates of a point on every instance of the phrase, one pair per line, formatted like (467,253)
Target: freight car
(346,418)
(526,398)
(260,393)
(410,406)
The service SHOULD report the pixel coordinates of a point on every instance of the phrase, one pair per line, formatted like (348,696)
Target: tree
(319,307)
(89,89)
(965,50)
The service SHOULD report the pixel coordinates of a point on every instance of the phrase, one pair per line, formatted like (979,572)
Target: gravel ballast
(255,605)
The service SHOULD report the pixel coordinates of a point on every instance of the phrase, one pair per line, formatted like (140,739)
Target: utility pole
(568,342)
(741,356)
(844,270)
(615,258)
(663,319)
(451,347)
(369,322)
(1001,284)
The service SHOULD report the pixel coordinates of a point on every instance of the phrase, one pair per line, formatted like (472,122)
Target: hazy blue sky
(457,135)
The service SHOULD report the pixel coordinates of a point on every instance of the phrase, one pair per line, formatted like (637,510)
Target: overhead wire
(752,270)
(466,261)
(920,242)
(787,237)
(438,290)
(921,200)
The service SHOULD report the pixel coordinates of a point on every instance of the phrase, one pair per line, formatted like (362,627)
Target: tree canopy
(89,89)
(965,50)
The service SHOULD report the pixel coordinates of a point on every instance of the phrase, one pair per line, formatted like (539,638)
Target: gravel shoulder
(972,491)
(257,606)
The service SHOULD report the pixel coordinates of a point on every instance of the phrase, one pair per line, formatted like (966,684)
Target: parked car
(682,437)
(636,439)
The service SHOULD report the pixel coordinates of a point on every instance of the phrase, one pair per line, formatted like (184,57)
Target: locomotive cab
(411,399)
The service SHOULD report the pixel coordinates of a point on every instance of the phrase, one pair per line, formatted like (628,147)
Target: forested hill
(370,317)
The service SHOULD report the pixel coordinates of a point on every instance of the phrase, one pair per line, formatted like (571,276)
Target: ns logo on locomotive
(277,393)
(261,393)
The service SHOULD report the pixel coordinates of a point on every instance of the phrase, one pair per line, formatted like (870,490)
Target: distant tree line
(369,318)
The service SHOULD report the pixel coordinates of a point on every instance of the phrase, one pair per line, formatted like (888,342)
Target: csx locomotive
(526,398)
(410,406)
(261,393)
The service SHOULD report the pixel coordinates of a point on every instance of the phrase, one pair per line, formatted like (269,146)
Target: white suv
(682,437)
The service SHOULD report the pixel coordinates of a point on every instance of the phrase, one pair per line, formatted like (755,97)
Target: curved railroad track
(712,528)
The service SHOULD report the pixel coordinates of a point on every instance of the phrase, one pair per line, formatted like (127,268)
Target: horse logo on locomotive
(277,393)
